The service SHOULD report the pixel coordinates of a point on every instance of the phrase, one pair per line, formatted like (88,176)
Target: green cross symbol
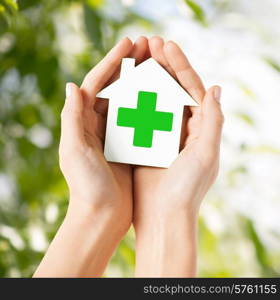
(145,119)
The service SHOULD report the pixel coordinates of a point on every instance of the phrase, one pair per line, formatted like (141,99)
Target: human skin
(100,206)
(106,197)
(167,201)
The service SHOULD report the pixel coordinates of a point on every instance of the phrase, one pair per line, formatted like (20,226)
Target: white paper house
(144,115)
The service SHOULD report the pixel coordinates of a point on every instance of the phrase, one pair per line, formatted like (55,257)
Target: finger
(156,45)
(72,130)
(147,53)
(140,49)
(186,75)
(212,119)
(138,52)
(102,72)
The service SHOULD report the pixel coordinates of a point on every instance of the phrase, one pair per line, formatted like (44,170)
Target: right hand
(94,184)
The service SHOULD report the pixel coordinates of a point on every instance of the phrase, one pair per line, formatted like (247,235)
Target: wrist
(86,243)
(108,216)
(160,220)
(170,244)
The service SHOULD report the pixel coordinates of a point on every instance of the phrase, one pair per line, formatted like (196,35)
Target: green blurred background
(234,43)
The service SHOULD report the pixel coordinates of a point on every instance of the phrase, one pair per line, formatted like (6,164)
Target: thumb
(72,130)
(212,119)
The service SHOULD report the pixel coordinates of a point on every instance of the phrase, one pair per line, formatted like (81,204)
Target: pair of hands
(155,200)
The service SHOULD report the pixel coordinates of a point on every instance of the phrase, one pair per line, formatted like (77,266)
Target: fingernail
(123,39)
(217,93)
(68,89)
(118,43)
(138,39)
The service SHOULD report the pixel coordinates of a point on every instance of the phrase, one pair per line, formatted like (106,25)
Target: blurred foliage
(275,65)
(33,72)
(198,12)
(8,9)
(44,44)
(245,117)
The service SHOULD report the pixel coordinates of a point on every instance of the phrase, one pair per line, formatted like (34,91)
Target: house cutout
(144,115)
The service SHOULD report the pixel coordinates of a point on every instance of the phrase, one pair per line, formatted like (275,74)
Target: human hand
(95,184)
(167,201)
(100,209)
